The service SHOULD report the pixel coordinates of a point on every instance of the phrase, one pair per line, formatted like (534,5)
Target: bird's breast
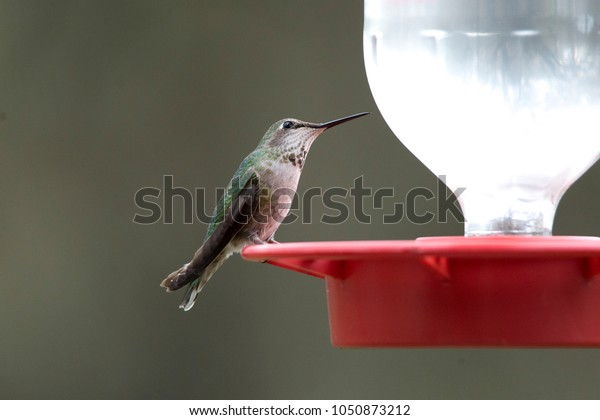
(280,175)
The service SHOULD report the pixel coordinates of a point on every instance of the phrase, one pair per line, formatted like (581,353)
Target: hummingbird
(255,202)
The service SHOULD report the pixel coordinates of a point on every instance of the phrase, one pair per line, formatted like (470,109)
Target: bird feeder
(502,99)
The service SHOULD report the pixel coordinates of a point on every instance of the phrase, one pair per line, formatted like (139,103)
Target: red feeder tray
(454,291)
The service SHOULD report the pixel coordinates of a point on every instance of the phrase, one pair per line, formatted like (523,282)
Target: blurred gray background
(99,99)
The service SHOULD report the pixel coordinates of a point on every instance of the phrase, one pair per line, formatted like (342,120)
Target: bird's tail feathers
(179,278)
(191,293)
(196,280)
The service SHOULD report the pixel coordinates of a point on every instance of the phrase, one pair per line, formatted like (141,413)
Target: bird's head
(291,132)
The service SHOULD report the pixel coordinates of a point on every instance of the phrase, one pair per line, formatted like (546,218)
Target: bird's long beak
(340,120)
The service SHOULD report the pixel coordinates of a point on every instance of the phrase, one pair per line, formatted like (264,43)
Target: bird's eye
(288,124)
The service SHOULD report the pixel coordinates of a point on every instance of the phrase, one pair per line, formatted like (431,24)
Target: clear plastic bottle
(500,96)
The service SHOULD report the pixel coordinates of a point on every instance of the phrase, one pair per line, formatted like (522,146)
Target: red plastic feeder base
(454,291)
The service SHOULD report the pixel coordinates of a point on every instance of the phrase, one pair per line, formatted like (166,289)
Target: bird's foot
(256,240)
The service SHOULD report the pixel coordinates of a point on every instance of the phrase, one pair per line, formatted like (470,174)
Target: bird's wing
(228,221)
(244,174)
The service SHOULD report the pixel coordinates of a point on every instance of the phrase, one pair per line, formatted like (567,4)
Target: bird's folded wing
(235,217)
